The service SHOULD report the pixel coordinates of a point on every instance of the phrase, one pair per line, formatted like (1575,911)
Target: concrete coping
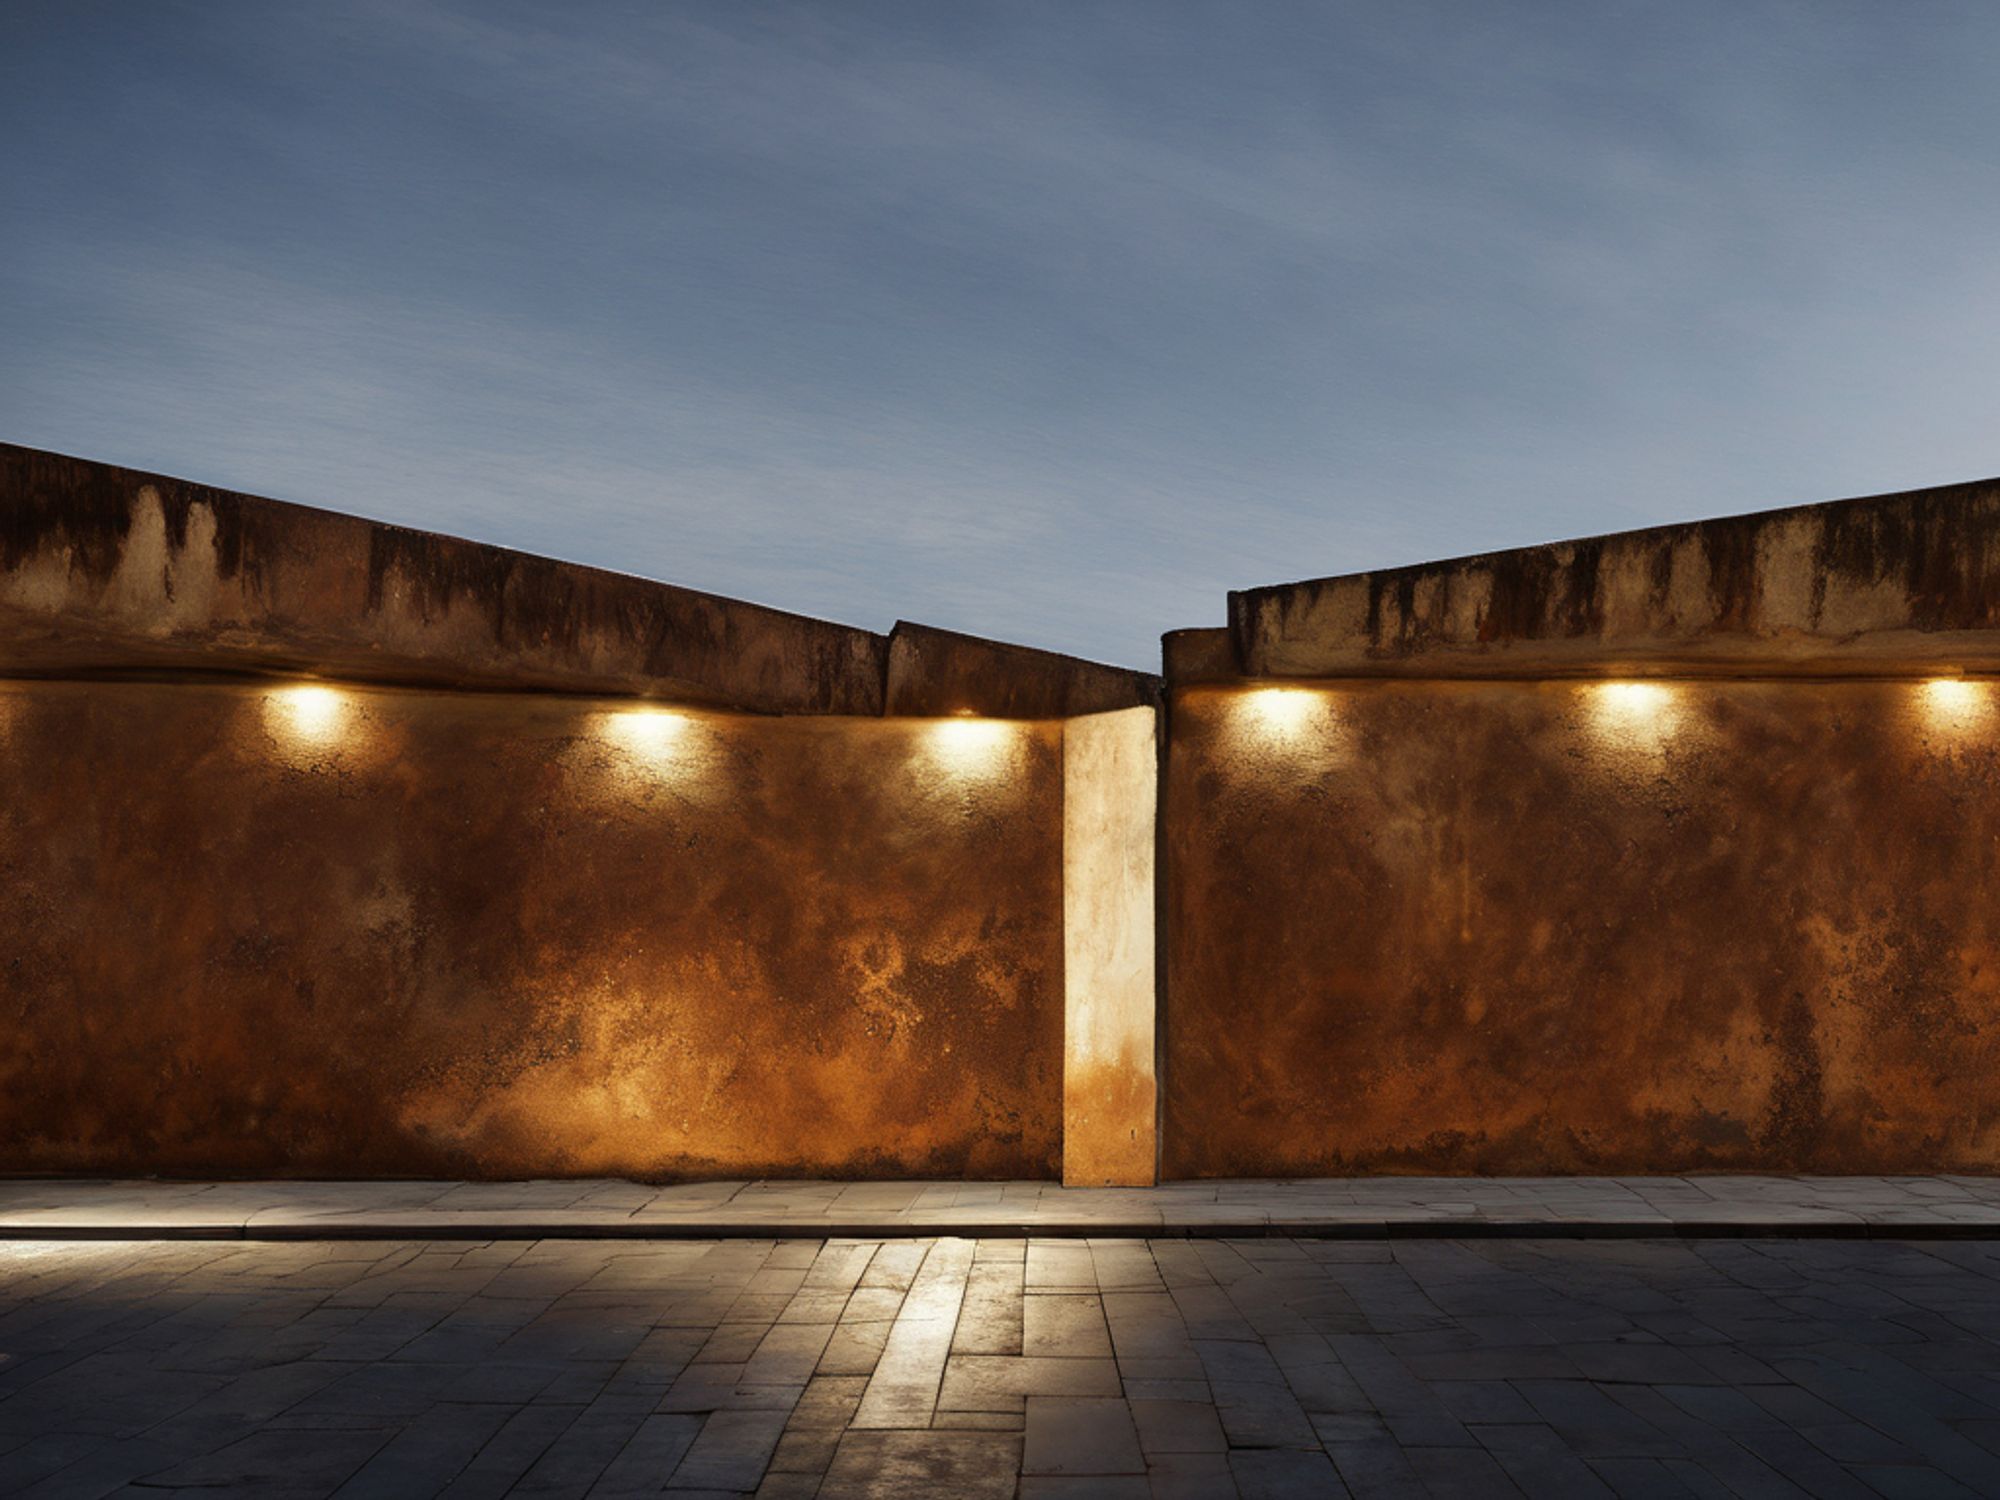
(107,571)
(1883,585)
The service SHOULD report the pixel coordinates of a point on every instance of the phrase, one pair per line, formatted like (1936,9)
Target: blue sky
(1052,322)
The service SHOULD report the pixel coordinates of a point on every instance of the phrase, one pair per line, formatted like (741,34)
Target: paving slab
(1267,1366)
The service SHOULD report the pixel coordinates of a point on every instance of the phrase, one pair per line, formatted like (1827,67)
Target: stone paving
(1352,1207)
(1002,1367)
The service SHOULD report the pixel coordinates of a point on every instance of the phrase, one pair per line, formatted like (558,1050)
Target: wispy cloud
(1045,322)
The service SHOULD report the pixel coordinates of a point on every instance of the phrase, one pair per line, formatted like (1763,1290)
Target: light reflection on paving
(1001,1367)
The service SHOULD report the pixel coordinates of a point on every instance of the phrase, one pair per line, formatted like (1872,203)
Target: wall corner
(1110,1088)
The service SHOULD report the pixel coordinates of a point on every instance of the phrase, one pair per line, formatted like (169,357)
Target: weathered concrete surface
(1110,830)
(1891,583)
(357,933)
(108,568)
(934,672)
(1568,927)
(1199,655)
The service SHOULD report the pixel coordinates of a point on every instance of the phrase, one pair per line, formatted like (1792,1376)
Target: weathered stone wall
(1559,927)
(110,569)
(105,570)
(1904,582)
(356,932)
(1645,852)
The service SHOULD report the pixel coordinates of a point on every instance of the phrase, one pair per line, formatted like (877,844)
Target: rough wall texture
(1455,913)
(1893,582)
(375,932)
(1565,927)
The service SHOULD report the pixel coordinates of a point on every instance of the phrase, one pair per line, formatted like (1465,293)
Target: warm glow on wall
(1293,733)
(1282,713)
(649,748)
(1633,723)
(1632,703)
(1955,705)
(649,733)
(307,712)
(971,745)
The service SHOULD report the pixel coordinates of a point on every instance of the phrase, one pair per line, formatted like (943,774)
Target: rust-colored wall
(385,932)
(1553,927)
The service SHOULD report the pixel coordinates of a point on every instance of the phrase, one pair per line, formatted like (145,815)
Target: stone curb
(468,1227)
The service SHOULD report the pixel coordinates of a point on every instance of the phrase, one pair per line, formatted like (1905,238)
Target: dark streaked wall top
(942,672)
(105,570)
(1880,585)
(111,570)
